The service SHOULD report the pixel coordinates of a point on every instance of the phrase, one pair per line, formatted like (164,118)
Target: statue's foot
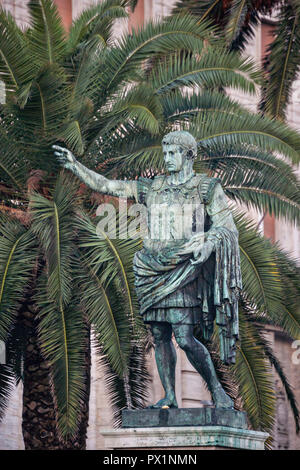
(165,403)
(221,399)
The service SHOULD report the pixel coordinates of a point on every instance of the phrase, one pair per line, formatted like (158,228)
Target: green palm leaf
(255,378)
(112,327)
(262,278)
(154,39)
(103,303)
(11,171)
(139,108)
(115,256)
(61,328)
(18,255)
(95,23)
(258,179)
(289,318)
(180,108)
(236,19)
(283,61)
(15,60)
(204,9)
(214,68)
(213,131)
(135,390)
(45,106)
(46,34)
(7,381)
(264,197)
(280,372)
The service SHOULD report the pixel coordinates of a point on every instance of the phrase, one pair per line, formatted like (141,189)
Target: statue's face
(173,157)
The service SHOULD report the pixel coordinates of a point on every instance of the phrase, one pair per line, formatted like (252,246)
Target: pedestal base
(184,437)
(206,416)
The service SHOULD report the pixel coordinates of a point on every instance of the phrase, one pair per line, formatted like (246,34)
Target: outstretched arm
(94,180)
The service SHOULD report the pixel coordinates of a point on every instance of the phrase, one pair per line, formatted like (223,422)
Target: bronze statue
(185,278)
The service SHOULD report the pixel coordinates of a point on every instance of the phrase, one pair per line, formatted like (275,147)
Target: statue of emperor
(186,274)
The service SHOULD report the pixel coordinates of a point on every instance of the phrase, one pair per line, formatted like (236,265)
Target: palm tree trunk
(39,417)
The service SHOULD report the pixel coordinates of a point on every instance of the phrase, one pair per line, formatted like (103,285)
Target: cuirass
(174,213)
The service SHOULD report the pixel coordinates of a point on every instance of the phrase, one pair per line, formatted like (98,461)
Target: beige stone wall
(11,425)
(18,9)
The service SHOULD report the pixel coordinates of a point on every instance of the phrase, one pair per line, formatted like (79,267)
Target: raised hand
(64,157)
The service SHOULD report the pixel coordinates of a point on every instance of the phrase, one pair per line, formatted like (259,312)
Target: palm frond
(254,375)
(262,279)
(15,59)
(156,38)
(252,317)
(11,171)
(214,68)
(281,374)
(204,9)
(7,382)
(61,326)
(134,153)
(180,107)
(139,108)
(282,63)
(236,19)
(95,22)
(72,135)
(46,34)
(260,275)
(103,305)
(214,131)
(135,390)
(18,254)
(257,178)
(16,345)
(46,102)
(115,256)
(289,318)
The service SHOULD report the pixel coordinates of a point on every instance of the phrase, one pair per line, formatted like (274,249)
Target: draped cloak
(218,280)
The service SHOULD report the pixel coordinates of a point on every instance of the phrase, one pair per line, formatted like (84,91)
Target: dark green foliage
(237,19)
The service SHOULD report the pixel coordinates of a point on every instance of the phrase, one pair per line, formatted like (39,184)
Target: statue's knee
(160,335)
(184,342)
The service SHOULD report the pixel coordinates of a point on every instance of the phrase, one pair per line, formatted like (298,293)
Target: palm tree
(111,102)
(236,20)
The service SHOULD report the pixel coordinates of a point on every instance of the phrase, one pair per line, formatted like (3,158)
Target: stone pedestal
(183,438)
(206,416)
(185,428)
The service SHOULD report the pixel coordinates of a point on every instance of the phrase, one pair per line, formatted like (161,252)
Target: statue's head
(179,148)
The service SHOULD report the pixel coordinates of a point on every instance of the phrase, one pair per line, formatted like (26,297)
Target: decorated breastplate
(175,212)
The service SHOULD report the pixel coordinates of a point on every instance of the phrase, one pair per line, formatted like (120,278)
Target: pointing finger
(58,147)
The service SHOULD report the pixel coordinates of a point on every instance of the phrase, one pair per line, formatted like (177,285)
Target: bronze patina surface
(187,277)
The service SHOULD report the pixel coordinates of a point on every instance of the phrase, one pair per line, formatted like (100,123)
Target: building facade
(190,388)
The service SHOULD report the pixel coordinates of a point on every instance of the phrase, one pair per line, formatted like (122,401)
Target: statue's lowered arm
(220,217)
(94,180)
(225,274)
(220,214)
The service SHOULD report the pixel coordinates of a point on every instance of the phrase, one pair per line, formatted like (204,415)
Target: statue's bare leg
(165,356)
(200,359)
